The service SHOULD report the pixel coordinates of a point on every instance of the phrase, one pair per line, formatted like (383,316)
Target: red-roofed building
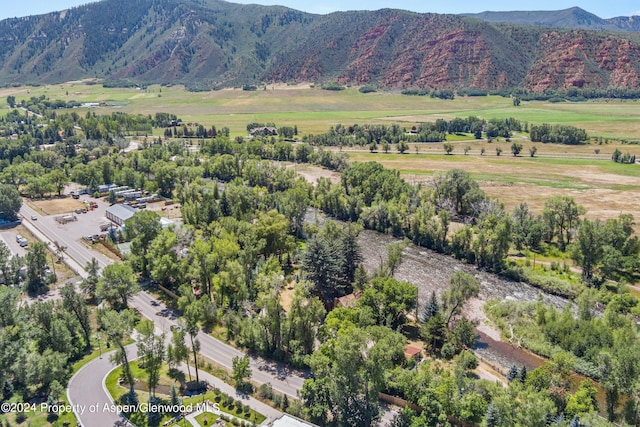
(411,352)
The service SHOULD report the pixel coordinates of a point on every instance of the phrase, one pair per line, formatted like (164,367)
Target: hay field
(605,188)
(314,110)
(585,172)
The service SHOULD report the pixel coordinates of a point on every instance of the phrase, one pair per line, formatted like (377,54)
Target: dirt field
(56,206)
(311,173)
(171,212)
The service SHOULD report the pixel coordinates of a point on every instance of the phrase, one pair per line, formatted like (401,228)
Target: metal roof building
(119,213)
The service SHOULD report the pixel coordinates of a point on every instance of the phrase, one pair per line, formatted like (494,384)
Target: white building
(287,420)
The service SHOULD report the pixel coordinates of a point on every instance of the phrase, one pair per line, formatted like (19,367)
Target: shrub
(367,89)
(448,351)
(550,284)
(277,400)
(333,86)
(265,391)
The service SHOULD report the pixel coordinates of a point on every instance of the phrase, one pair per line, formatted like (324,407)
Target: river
(430,271)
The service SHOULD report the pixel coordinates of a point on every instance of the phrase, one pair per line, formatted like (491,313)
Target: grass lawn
(225,403)
(40,419)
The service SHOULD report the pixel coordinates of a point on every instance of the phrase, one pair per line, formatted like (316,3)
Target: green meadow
(585,171)
(314,110)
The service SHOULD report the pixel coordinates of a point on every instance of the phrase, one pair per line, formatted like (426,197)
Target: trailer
(66,218)
(132,195)
(120,188)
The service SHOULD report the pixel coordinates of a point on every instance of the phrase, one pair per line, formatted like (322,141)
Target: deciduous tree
(141,229)
(152,352)
(75,304)
(241,371)
(10,202)
(463,286)
(36,263)
(117,285)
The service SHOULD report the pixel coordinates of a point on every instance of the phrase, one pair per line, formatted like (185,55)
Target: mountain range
(208,44)
(574,17)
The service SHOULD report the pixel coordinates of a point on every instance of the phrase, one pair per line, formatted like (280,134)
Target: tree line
(245,240)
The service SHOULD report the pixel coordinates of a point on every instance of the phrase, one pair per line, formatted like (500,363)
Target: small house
(414,353)
(264,131)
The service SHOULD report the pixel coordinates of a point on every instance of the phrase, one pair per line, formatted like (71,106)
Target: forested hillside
(209,44)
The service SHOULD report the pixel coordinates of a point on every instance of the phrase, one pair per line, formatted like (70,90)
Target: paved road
(218,351)
(88,395)
(50,231)
(78,255)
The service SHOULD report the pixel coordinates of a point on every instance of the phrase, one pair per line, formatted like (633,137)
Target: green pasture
(314,110)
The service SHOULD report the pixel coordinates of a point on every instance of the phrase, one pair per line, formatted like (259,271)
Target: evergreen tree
(131,398)
(431,309)
(360,277)
(492,417)
(513,373)
(153,414)
(350,253)
(224,205)
(433,332)
(522,375)
(175,399)
(322,266)
(575,421)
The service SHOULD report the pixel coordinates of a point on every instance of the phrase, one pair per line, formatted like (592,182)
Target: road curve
(88,395)
(77,256)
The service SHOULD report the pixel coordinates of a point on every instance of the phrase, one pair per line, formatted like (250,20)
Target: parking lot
(69,235)
(86,224)
(9,238)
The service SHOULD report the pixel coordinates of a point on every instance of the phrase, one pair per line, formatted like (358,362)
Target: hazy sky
(604,9)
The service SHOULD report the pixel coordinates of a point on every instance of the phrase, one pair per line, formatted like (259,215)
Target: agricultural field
(605,188)
(585,172)
(314,110)
(247,197)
